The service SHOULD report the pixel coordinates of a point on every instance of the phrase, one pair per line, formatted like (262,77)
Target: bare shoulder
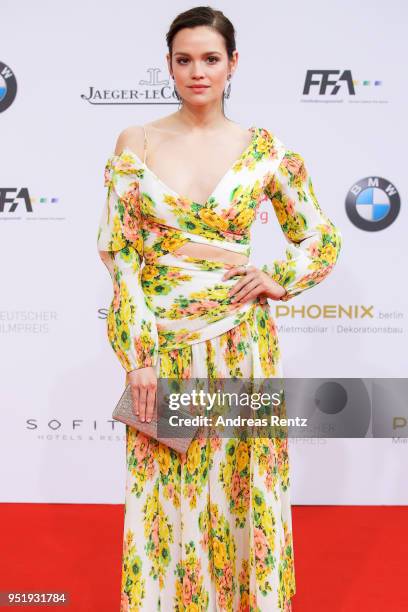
(132,138)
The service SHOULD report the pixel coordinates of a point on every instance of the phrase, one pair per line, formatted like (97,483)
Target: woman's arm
(131,325)
(315,242)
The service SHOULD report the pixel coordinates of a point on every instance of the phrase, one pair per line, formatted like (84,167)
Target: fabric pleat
(211,529)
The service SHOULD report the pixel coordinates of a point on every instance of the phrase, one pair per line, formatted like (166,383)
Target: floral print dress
(209,529)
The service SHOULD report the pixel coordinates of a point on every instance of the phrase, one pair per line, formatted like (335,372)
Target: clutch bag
(123,412)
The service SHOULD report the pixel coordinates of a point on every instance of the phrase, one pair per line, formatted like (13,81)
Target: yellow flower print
(149,510)
(138,244)
(149,272)
(267,522)
(244,218)
(329,253)
(124,291)
(136,591)
(172,243)
(211,218)
(242,456)
(164,533)
(118,241)
(256,191)
(193,456)
(281,214)
(262,145)
(259,503)
(169,199)
(147,206)
(219,554)
(124,336)
(164,459)
(227,472)
(214,293)
(111,325)
(158,288)
(135,567)
(126,312)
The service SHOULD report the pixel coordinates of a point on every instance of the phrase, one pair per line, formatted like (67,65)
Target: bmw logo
(372,204)
(8,87)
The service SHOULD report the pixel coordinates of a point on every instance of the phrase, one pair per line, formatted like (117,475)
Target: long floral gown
(209,529)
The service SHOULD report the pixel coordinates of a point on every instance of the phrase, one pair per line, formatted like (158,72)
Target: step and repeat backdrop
(327,81)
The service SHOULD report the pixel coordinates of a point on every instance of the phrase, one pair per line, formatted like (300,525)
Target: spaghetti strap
(144,145)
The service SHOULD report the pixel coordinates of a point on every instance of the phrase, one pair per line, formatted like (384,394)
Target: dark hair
(204,16)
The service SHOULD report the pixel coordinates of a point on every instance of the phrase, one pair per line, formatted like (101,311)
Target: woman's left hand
(254,283)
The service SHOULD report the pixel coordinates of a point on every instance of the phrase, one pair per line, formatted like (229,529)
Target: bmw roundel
(372,203)
(8,87)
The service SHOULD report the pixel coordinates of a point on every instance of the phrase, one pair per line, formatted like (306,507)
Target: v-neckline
(252,129)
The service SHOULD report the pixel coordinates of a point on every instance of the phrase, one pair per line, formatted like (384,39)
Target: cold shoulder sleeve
(131,325)
(314,241)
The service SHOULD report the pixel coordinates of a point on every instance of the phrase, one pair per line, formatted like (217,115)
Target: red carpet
(347,558)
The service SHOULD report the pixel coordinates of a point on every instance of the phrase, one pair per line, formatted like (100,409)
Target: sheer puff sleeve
(314,242)
(131,325)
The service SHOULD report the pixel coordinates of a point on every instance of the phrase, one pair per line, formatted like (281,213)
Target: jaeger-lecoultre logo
(153,90)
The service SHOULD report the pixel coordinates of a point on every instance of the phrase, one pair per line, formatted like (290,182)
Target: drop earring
(227,92)
(175,90)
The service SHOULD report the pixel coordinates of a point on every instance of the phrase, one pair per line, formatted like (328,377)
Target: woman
(209,529)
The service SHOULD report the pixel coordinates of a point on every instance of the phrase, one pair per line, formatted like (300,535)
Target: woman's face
(200,64)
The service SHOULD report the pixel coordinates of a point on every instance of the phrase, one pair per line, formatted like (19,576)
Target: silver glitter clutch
(123,412)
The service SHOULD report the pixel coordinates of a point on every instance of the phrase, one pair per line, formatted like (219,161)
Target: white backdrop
(60,378)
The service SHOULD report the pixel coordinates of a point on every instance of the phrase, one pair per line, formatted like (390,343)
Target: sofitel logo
(55,424)
(76,429)
(153,90)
